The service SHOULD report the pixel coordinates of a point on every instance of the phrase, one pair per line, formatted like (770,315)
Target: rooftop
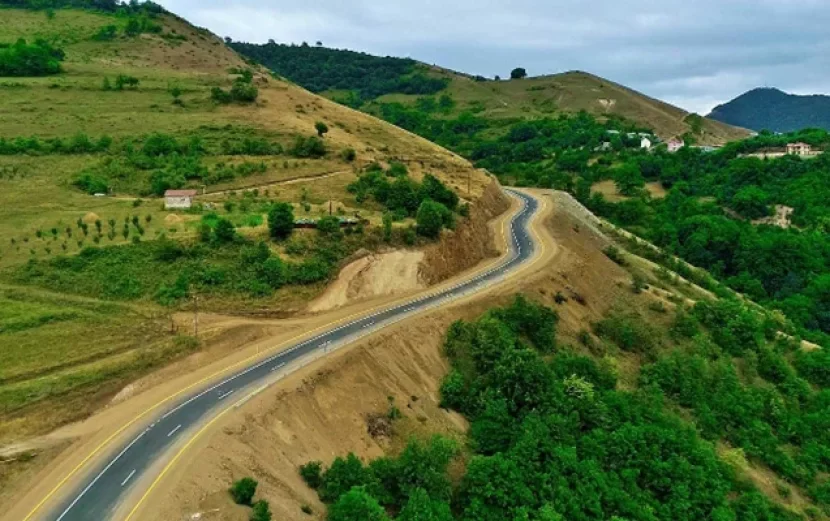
(180,193)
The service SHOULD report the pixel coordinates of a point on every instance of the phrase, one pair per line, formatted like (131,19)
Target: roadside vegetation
(554,437)
(714,208)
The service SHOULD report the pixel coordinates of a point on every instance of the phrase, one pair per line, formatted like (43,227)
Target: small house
(645,143)
(799,149)
(178,199)
(674,145)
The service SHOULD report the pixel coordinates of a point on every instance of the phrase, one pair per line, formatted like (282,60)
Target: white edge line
(92,483)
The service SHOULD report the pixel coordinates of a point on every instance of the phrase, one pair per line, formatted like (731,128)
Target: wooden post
(196,316)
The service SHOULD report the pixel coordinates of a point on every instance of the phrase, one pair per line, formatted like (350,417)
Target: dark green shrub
(243,490)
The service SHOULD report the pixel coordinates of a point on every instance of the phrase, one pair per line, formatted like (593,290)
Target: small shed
(178,199)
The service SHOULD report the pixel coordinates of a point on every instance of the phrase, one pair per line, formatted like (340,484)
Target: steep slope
(355,78)
(775,110)
(93,268)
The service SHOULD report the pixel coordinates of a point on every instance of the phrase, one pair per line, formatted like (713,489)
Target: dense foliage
(25,59)
(100,5)
(772,109)
(430,201)
(704,220)
(321,69)
(551,439)
(221,263)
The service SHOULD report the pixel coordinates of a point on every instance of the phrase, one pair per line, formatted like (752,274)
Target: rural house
(178,199)
(675,144)
(645,143)
(799,149)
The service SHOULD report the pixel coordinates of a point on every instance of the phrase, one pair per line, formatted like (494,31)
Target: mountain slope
(92,266)
(775,110)
(355,78)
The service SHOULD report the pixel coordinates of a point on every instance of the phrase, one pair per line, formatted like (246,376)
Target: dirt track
(165,385)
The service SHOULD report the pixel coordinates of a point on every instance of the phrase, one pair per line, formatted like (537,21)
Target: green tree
(225,231)
(751,202)
(518,73)
(430,218)
(261,511)
(312,474)
(420,507)
(357,505)
(243,490)
(628,179)
(328,225)
(321,128)
(281,221)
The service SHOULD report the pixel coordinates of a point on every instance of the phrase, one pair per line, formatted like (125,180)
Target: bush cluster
(25,59)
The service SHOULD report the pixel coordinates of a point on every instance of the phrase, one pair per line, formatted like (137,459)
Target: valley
(246,282)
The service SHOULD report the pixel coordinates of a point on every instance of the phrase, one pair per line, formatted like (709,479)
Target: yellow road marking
(172,462)
(158,404)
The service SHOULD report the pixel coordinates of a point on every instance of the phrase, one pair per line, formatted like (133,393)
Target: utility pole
(196,316)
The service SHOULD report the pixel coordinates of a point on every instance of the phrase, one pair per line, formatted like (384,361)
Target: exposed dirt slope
(372,276)
(321,412)
(471,241)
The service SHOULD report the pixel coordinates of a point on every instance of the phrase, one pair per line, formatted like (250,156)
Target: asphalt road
(97,496)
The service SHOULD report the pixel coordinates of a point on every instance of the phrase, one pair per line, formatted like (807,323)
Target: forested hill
(321,69)
(775,110)
(365,81)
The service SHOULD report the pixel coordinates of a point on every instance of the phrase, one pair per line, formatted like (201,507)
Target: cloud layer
(693,54)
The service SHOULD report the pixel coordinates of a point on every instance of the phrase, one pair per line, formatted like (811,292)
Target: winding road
(99,488)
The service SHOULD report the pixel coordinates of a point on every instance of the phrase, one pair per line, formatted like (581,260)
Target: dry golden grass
(572,92)
(58,370)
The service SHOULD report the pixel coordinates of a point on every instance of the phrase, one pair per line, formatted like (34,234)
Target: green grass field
(69,340)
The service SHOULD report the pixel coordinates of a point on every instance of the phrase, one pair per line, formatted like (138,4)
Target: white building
(799,149)
(178,199)
(645,143)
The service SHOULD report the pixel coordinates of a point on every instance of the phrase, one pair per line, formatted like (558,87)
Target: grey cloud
(693,53)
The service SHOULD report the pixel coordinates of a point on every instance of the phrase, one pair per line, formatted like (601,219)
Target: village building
(799,149)
(645,143)
(178,199)
(674,145)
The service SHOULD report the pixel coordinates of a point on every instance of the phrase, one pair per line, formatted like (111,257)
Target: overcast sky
(692,53)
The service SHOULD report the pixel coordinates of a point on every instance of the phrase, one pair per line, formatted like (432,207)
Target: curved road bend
(97,495)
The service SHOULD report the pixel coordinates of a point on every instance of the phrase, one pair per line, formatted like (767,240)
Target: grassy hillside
(571,92)
(128,106)
(358,78)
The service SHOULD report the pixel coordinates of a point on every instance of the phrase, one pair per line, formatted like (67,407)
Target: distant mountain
(773,109)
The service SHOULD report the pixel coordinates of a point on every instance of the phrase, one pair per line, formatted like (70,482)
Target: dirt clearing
(372,276)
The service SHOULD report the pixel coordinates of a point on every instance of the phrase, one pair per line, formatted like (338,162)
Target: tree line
(320,69)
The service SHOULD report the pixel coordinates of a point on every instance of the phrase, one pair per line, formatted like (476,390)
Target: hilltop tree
(322,128)
(518,73)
